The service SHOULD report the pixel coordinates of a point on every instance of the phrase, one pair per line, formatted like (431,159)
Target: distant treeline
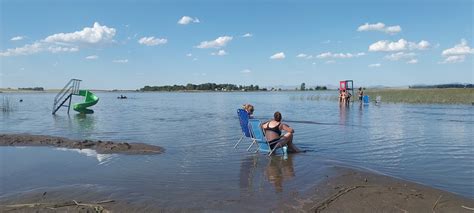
(442,86)
(203,87)
(32,88)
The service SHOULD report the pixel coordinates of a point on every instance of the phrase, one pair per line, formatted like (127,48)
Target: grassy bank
(419,96)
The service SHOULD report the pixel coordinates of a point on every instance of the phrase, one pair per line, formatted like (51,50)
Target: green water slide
(90,100)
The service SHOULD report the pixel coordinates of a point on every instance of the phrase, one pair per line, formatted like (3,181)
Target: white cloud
(454,59)
(220,53)
(412,61)
(246,35)
(339,55)
(56,49)
(400,55)
(92,57)
(27,49)
(122,61)
(218,43)
(246,71)
(380,27)
(422,45)
(459,49)
(189,54)
(330,62)
(375,65)
(186,20)
(303,55)
(388,46)
(94,35)
(152,41)
(280,55)
(65,42)
(17,38)
(457,53)
(400,45)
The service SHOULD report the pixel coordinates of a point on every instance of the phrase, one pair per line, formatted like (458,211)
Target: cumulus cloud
(400,45)
(187,20)
(57,49)
(246,71)
(375,65)
(92,57)
(457,53)
(278,56)
(27,49)
(217,43)
(94,35)
(17,38)
(339,55)
(219,53)
(400,55)
(121,61)
(412,61)
(303,55)
(246,35)
(422,45)
(454,59)
(380,27)
(152,41)
(66,42)
(459,49)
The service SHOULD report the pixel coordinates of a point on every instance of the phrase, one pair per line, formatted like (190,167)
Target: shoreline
(342,189)
(346,189)
(101,147)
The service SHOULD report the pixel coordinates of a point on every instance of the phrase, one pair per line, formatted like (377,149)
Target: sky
(130,44)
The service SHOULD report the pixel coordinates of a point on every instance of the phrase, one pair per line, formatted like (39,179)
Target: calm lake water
(429,144)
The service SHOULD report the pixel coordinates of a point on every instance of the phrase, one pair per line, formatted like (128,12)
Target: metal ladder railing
(71,88)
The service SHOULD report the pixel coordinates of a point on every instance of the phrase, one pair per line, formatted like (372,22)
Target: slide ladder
(71,88)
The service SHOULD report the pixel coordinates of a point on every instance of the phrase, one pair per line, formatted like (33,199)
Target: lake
(428,144)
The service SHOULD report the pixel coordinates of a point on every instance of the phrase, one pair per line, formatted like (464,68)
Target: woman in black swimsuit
(273,133)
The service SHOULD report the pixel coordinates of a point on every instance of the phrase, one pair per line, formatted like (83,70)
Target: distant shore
(388,95)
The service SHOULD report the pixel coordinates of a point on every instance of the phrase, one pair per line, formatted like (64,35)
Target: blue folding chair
(244,120)
(258,135)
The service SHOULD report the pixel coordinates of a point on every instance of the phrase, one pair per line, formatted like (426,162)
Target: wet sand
(101,147)
(361,191)
(347,190)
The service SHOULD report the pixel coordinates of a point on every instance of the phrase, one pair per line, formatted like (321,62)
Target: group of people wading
(345,95)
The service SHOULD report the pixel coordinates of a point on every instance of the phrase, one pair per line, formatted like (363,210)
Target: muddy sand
(348,190)
(101,147)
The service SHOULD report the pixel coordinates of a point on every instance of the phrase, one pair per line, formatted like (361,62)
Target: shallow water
(429,144)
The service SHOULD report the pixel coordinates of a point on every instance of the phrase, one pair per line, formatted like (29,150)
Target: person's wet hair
(277,116)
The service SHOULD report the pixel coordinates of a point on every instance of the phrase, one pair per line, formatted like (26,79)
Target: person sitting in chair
(249,109)
(273,133)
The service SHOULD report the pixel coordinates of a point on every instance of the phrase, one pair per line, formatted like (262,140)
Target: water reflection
(258,170)
(101,158)
(279,170)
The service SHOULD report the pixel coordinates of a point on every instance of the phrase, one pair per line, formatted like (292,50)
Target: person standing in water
(361,94)
(273,133)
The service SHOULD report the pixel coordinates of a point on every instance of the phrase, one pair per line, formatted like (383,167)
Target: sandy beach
(101,147)
(350,190)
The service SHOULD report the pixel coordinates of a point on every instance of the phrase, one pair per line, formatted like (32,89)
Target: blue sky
(130,44)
